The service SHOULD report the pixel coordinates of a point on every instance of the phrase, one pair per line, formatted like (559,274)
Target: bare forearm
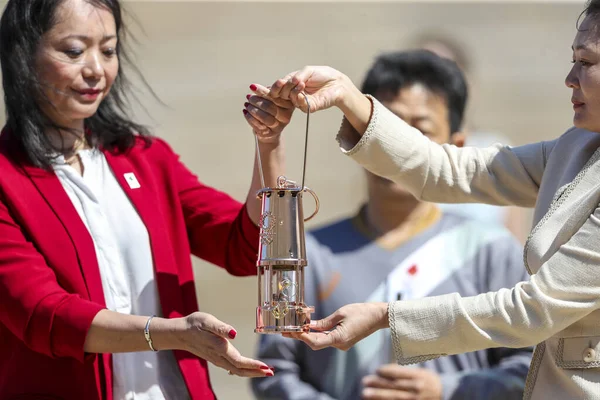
(271,156)
(199,333)
(113,332)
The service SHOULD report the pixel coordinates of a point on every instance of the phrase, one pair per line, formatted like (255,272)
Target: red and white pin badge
(131,180)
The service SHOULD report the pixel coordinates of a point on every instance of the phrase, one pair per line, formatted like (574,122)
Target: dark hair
(22,26)
(394,71)
(592,9)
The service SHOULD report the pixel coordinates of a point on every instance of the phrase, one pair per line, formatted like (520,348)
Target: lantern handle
(260,166)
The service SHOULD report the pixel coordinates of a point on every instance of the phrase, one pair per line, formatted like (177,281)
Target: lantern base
(272,319)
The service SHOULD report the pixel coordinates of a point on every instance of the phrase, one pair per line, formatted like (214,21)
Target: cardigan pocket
(578,352)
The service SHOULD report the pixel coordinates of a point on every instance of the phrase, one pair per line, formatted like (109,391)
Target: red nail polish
(245,111)
(232,332)
(264,367)
(246,104)
(253,87)
(270,373)
(248,97)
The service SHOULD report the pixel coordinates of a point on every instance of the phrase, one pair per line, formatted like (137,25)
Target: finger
(300,79)
(233,356)
(263,117)
(265,105)
(303,75)
(260,130)
(276,88)
(213,325)
(287,88)
(327,323)
(283,110)
(282,103)
(298,97)
(386,394)
(283,114)
(395,371)
(257,126)
(272,106)
(377,382)
(253,373)
(405,385)
(262,103)
(408,385)
(316,341)
(260,90)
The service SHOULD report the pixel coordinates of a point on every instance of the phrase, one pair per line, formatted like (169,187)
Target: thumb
(327,323)
(218,327)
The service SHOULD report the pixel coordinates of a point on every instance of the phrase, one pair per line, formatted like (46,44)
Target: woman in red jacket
(98,220)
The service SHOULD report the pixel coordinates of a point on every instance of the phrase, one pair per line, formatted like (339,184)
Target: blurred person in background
(398,247)
(514,218)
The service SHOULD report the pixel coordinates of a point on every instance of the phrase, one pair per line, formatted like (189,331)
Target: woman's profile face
(584,77)
(77,62)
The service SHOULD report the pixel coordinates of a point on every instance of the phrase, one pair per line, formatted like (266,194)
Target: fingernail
(245,111)
(253,87)
(264,367)
(246,104)
(232,332)
(270,373)
(248,97)
(272,369)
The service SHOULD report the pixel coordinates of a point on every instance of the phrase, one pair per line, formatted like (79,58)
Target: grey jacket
(558,307)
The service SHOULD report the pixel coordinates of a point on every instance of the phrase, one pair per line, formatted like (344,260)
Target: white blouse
(122,246)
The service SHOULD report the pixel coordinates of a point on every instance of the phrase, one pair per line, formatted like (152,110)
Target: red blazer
(50,288)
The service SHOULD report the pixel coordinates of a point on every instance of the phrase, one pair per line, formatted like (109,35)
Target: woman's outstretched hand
(207,337)
(199,333)
(345,327)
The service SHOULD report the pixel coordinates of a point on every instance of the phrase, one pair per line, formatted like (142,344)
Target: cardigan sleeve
(219,228)
(565,289)
(499,175)
(33,306)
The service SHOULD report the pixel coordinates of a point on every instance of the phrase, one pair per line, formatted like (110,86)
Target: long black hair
(22,26)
